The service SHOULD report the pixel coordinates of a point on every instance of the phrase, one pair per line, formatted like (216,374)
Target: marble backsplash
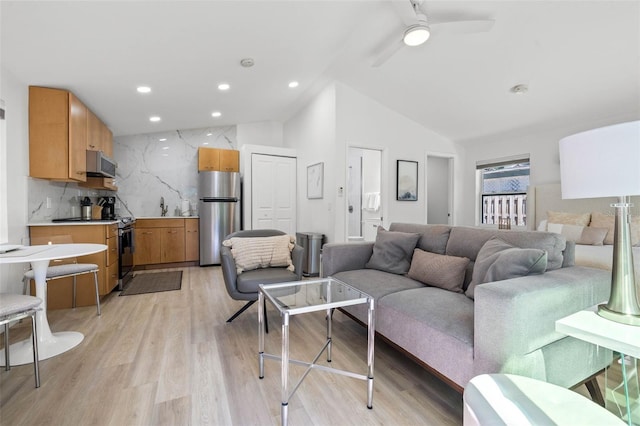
(150,166)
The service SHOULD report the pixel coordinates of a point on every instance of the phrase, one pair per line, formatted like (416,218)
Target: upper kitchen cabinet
(99,137)
(61,130)
(57,135)
(221,160)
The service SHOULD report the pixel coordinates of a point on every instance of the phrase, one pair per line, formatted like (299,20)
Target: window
(503,187)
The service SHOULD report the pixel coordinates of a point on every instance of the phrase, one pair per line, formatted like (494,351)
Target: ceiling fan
(418,29)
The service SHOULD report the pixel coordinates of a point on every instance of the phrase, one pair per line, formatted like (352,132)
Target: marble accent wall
(148,168)
(164,164)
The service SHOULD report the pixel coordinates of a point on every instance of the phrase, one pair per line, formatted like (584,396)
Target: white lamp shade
(603,162)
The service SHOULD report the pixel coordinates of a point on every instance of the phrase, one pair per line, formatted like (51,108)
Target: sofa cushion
(435,325)
(499,260)
(433,238)
(438,270)
(392,251)
(261,252)
(467,242)
(376,284)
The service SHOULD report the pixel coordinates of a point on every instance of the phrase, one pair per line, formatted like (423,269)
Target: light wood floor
(171,359)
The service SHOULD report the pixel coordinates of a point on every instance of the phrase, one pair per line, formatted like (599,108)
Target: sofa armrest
(338,257)
(517,316)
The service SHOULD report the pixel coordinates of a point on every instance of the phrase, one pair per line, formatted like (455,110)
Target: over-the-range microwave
(99,164)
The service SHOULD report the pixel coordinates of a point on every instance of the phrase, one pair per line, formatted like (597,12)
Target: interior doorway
(364,193)
(439,176)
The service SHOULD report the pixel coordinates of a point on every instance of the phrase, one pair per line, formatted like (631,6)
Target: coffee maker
(108,207)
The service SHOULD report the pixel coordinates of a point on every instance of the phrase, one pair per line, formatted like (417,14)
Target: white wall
(15,95)
(260,133)
(340,117)
(366,123)
(542,145)
(311,132)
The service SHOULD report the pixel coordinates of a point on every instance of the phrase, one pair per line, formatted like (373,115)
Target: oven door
(125,260)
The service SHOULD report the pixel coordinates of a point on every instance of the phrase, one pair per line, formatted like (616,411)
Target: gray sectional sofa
(521,283)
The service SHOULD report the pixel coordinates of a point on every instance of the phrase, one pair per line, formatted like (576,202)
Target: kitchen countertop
(78,222)
(166,217)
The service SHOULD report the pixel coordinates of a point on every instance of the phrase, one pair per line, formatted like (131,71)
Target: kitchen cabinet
(159,241)
(191,240)
(99,137)
(214,159)
(60,292)
(57,135)
(61,130)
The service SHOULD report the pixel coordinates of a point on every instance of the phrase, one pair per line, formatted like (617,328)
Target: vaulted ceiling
(580,60)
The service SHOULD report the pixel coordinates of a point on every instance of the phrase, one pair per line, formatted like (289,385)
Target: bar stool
(14,307)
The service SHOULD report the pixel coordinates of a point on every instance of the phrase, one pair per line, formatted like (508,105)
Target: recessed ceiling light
(165,147)
(224,86)
(143,89)
(293,84)
(209,134)
(205,143)
(162,139)
(154,119)
(216,114)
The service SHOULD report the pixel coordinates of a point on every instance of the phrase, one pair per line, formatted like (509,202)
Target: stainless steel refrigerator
(219,211)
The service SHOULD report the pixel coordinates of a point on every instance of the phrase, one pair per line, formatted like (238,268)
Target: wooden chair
(14,307)
(63,268)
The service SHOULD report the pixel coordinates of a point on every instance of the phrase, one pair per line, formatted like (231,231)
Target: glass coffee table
(300,297)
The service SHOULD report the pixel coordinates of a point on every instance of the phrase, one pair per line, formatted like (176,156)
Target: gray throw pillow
(498,260)
(438,270)
(392,251)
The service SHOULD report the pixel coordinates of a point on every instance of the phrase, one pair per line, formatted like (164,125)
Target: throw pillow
(438,270)
(498,260)
(601,220)
(392,251)
(569,218)
(261,252)
(585,235)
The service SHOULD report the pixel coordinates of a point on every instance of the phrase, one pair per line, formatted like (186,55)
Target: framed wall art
(315,180)
(407,181)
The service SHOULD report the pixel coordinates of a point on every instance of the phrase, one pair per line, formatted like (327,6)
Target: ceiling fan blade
(463,27)
(387,52)
(405,10)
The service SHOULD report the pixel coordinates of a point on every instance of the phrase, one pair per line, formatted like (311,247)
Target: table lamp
(605,162)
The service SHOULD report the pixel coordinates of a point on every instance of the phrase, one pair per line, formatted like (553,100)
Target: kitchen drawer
(159,223)
(112,277)
(112,251)
(112,231)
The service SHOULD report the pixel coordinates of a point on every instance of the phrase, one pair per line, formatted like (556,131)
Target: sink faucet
(163,208)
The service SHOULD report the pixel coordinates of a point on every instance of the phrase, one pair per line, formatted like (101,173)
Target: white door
(273,193)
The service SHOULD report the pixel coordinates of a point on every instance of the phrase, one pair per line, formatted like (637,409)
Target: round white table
(49,344)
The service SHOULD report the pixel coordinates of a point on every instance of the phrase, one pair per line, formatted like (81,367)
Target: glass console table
(622,398)
(300,297)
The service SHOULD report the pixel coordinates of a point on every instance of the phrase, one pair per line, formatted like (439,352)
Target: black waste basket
(311,242)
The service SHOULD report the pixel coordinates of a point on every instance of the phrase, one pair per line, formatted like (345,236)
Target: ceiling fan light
(415,35)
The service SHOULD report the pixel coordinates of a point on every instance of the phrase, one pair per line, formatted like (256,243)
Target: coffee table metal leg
(370,346)
(284,413)
(329,341)
(261,335)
